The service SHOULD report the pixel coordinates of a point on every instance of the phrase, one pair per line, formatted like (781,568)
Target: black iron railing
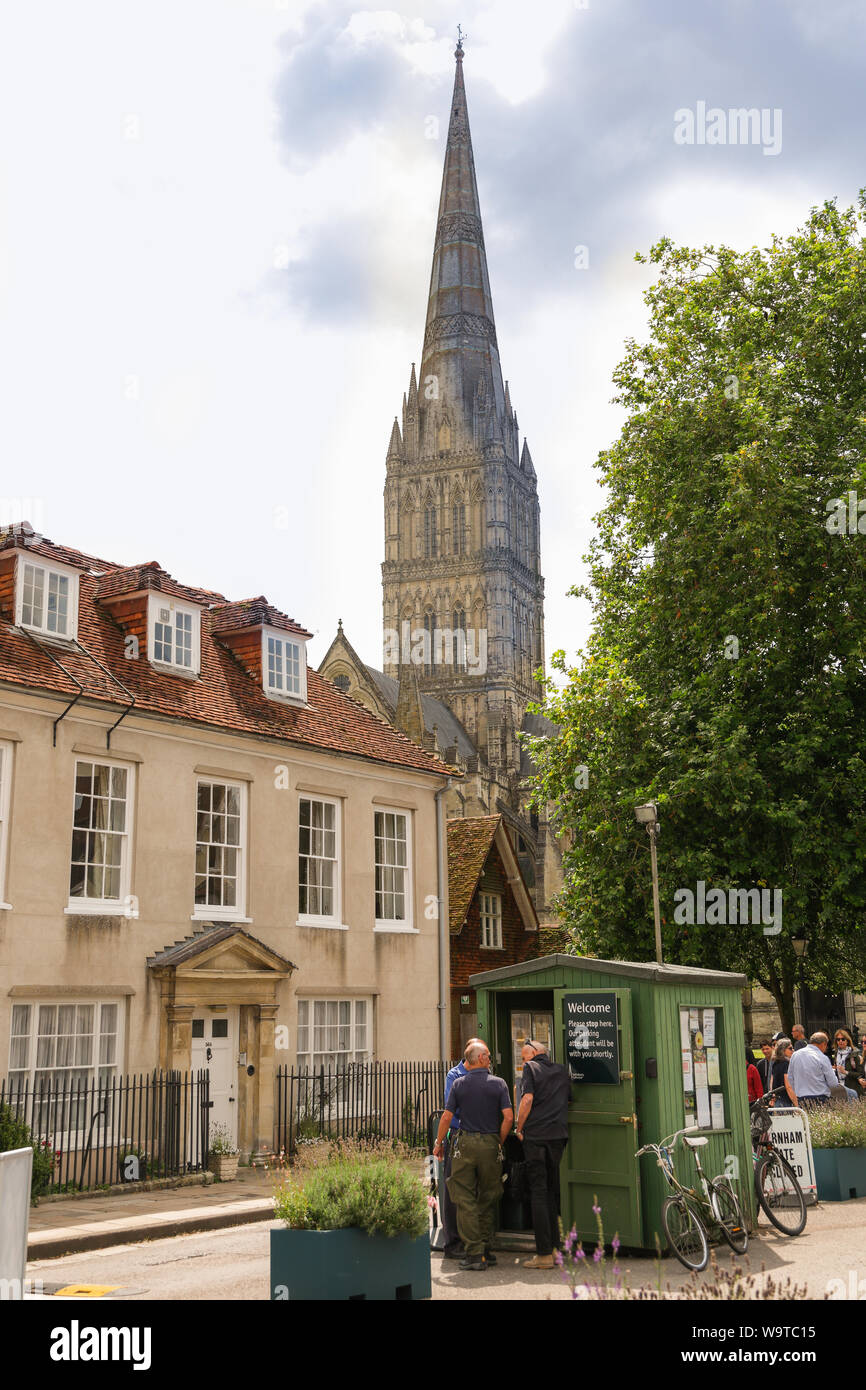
(125,1129)
(361,1100)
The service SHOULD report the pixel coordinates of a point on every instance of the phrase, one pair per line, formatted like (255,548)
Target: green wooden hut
(651,1049)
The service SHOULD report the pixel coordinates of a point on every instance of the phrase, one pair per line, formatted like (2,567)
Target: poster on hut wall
(703,1099)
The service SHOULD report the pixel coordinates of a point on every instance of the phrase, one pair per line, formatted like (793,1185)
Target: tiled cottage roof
(136,578)
(469,842)
(253,612)
(224,695)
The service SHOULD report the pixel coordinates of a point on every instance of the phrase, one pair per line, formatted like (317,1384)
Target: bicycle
(687,1216)
(779,1194)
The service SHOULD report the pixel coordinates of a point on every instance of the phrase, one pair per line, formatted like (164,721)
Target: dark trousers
(543,1157)
(447,1209)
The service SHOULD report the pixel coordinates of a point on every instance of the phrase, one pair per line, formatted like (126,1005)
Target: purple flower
(614,1245)
(578,1254)
(597,1254)
(597,1210)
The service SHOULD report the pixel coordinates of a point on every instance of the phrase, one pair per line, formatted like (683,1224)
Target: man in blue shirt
(486,1118)
(810,1078)
(453,1248)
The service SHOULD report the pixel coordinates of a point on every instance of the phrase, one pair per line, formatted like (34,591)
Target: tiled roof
(136,578)
(224,696)
(252,612)
(469,842)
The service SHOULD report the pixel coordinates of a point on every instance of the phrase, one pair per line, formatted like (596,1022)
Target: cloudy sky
(216,227)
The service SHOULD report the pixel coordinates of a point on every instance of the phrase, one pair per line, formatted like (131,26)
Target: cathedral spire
(460,336)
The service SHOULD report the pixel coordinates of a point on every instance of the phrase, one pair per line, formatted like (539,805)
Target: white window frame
(214,912)
(307,1010)
(273,692)
(49,568)
(6,764)
(490,912)
(74,1135)
(123,904)
(396,924)
(155,602)
(333,920)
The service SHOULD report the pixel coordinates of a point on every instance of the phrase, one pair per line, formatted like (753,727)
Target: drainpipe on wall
(442,900)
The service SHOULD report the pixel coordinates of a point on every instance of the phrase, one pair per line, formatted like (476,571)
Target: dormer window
(47,598)
(284,665)
(174,635)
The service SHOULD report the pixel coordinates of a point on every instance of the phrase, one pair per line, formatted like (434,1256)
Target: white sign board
(789,1131)
(15,1168)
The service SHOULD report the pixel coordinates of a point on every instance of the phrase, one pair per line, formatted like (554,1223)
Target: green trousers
(475,1187)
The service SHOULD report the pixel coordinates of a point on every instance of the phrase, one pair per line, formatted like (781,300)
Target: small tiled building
(491,916)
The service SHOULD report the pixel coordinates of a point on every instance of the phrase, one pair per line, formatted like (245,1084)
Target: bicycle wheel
(686,1235)
(779,1194)
(726,1210)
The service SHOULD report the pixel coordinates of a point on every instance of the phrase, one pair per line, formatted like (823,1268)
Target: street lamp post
(648,815)
(799,943)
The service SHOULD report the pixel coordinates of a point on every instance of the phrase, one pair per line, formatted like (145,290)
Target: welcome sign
(592,1038)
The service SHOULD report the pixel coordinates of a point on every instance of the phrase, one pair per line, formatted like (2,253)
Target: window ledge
(219,917)
(5,907)
(323,926)
(165,669)
(294,701)
(491,948)
(97,909)
(51,639)
(386,928)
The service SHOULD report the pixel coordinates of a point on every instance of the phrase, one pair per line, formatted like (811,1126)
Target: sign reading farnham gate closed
(592,1038)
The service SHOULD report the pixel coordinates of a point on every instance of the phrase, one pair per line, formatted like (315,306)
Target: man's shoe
(540,1262)
(490,1257)
(475,1262)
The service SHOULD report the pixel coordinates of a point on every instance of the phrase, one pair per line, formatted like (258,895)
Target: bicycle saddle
(696,1143)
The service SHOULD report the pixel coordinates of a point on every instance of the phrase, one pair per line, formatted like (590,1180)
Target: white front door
(215,1047)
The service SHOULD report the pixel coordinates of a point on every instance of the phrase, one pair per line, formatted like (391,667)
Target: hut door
(595,1040)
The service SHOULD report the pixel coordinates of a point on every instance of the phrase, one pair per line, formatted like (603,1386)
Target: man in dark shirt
(542,1124)
(475,1184)
(765,1066)
(453,1247)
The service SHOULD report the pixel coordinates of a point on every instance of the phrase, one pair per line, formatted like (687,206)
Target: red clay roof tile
(224,695)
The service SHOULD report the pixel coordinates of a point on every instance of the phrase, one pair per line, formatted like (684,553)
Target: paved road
(233,1264)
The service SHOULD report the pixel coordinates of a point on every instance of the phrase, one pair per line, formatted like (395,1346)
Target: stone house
(208,854)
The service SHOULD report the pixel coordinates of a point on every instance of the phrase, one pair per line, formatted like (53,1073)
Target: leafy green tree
(725,676)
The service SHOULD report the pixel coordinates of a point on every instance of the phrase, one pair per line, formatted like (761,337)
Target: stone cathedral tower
(461,501)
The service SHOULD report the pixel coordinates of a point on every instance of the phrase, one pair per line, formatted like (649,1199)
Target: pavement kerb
(96,1235)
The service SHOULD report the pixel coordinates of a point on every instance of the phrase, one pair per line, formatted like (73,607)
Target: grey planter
(840,1174)
(341,1265)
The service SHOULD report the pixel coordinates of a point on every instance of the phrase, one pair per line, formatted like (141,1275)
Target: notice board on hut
(592,1038)
(703,1098)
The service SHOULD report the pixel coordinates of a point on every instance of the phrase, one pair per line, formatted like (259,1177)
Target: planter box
(840,1174)
(223,1166)
(349,1264)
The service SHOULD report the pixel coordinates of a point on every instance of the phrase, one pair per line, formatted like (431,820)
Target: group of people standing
(803,1072)
(477,1119)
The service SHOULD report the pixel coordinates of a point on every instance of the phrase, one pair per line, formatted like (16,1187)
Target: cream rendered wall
(40,946)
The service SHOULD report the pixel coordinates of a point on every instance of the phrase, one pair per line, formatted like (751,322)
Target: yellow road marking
(85,1290)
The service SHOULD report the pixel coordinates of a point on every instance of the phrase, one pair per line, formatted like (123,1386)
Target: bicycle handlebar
(669,1144)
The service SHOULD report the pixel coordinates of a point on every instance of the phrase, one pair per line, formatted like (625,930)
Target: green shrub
(15,1134)
(372,1191)
(839,1126)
